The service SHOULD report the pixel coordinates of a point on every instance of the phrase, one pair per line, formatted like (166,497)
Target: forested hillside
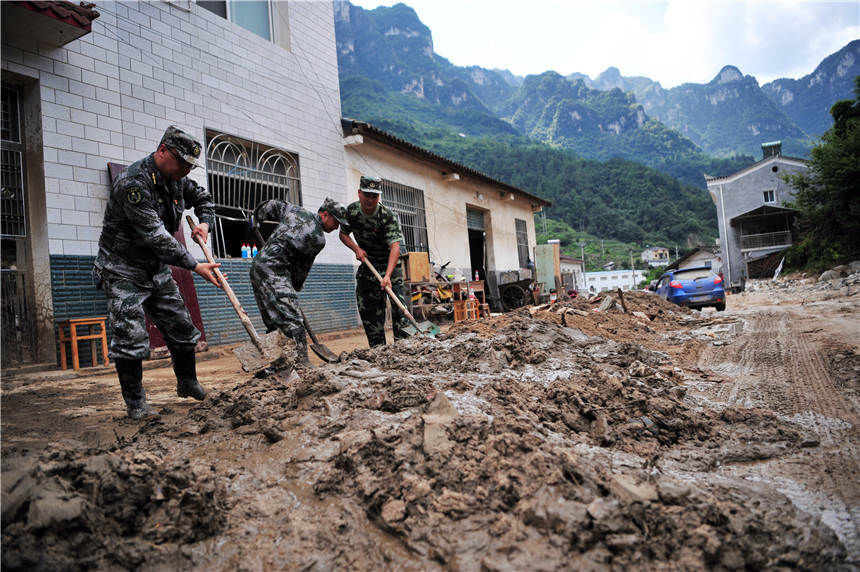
(595,148)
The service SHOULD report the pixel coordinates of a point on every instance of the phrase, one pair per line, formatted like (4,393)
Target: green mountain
(729,115)
(807,100)
(604,125)
(391,47)
(391,78)
(617,199)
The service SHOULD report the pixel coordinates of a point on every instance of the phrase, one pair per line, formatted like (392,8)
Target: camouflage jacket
(293,246)
(142,213)
(375,233)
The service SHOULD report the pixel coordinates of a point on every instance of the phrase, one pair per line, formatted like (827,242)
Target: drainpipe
(726,238)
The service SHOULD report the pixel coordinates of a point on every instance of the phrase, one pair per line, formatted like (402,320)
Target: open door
(477,243)
(184,279)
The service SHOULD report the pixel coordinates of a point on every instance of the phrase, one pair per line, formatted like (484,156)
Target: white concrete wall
(613,279)
(109,95)
(701,258)
(446,204)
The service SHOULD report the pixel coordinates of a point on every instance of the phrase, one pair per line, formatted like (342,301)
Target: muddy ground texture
(546,438)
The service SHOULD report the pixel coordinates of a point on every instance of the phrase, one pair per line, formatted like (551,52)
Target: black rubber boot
(130,372)
(301,347)
(185,368)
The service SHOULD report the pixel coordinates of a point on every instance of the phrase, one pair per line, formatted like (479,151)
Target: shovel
(260,352)
(321,350)
(426,328)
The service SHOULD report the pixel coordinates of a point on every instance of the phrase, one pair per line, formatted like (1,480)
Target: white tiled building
(614,279)
(262,75)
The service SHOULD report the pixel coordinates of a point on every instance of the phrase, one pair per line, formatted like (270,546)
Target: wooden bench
(72,337)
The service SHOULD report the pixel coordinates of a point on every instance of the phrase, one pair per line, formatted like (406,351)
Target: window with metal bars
(242,174)
(522,242)
(408,203)
(13,221)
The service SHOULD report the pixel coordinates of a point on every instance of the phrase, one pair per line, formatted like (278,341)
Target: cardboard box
(417,267)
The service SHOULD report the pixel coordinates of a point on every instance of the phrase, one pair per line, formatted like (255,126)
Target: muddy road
(550,438)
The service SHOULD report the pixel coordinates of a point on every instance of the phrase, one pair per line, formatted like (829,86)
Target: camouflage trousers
(130,301)
(277,300)
(371,306)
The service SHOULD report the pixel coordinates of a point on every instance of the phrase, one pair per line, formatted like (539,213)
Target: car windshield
(693,273)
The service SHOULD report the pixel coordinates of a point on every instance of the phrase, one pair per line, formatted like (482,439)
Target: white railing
(765,240)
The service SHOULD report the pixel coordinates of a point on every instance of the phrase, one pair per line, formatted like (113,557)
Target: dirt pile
(517,443)
(808,289)
(78,508)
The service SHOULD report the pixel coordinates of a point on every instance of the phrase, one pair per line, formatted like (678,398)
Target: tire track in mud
(773,363)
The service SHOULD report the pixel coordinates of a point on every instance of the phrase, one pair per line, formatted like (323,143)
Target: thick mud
(542,439)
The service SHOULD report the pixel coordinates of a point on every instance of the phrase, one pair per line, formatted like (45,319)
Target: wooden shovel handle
(243,316)
(391,294)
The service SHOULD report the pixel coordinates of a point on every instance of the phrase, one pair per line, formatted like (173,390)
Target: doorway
(477,243)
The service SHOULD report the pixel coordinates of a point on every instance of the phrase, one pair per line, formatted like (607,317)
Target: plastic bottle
(244,251)
(477,276)
(254,251)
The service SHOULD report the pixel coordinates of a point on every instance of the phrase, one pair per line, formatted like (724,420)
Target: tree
(828,194)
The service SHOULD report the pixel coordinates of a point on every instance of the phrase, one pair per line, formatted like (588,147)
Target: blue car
(693,287)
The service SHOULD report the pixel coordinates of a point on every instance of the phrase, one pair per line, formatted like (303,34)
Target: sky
(670,42)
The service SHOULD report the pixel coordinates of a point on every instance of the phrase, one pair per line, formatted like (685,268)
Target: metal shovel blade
(426,328)
(324,353)
(277,350)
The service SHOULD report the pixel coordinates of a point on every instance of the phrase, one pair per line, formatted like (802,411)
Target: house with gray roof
(752,214)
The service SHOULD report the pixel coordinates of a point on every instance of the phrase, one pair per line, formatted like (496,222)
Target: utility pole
(602,253)
(582,255)
(632,271)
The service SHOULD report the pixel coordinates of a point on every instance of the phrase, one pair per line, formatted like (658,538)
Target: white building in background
(614,279)
(656,256)
(572,272)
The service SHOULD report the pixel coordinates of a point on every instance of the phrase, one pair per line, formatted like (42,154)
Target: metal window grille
(13,221)
(474,219)
(241,175)
(522,242)
(10,129)
(408,203)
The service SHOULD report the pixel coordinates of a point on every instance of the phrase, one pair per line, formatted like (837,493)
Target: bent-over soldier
(377,237)
(135,248)
(280,268)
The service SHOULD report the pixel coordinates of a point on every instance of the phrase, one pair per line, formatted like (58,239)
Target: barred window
(12,214)
(241,174)
(522,242)
(408,203)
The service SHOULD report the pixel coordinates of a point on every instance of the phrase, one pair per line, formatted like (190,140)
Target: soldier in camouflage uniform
(136,246)
(377,238)
(279,270)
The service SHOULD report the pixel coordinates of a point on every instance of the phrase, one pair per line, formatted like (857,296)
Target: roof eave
(355,127)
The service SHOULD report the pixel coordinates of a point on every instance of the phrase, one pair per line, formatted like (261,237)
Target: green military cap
(187,147)
(371,185)
(335,209)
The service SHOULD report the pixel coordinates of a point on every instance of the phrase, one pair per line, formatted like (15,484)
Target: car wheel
(720,307)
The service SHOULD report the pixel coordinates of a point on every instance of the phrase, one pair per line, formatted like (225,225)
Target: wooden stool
(73,338)
(465,310)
